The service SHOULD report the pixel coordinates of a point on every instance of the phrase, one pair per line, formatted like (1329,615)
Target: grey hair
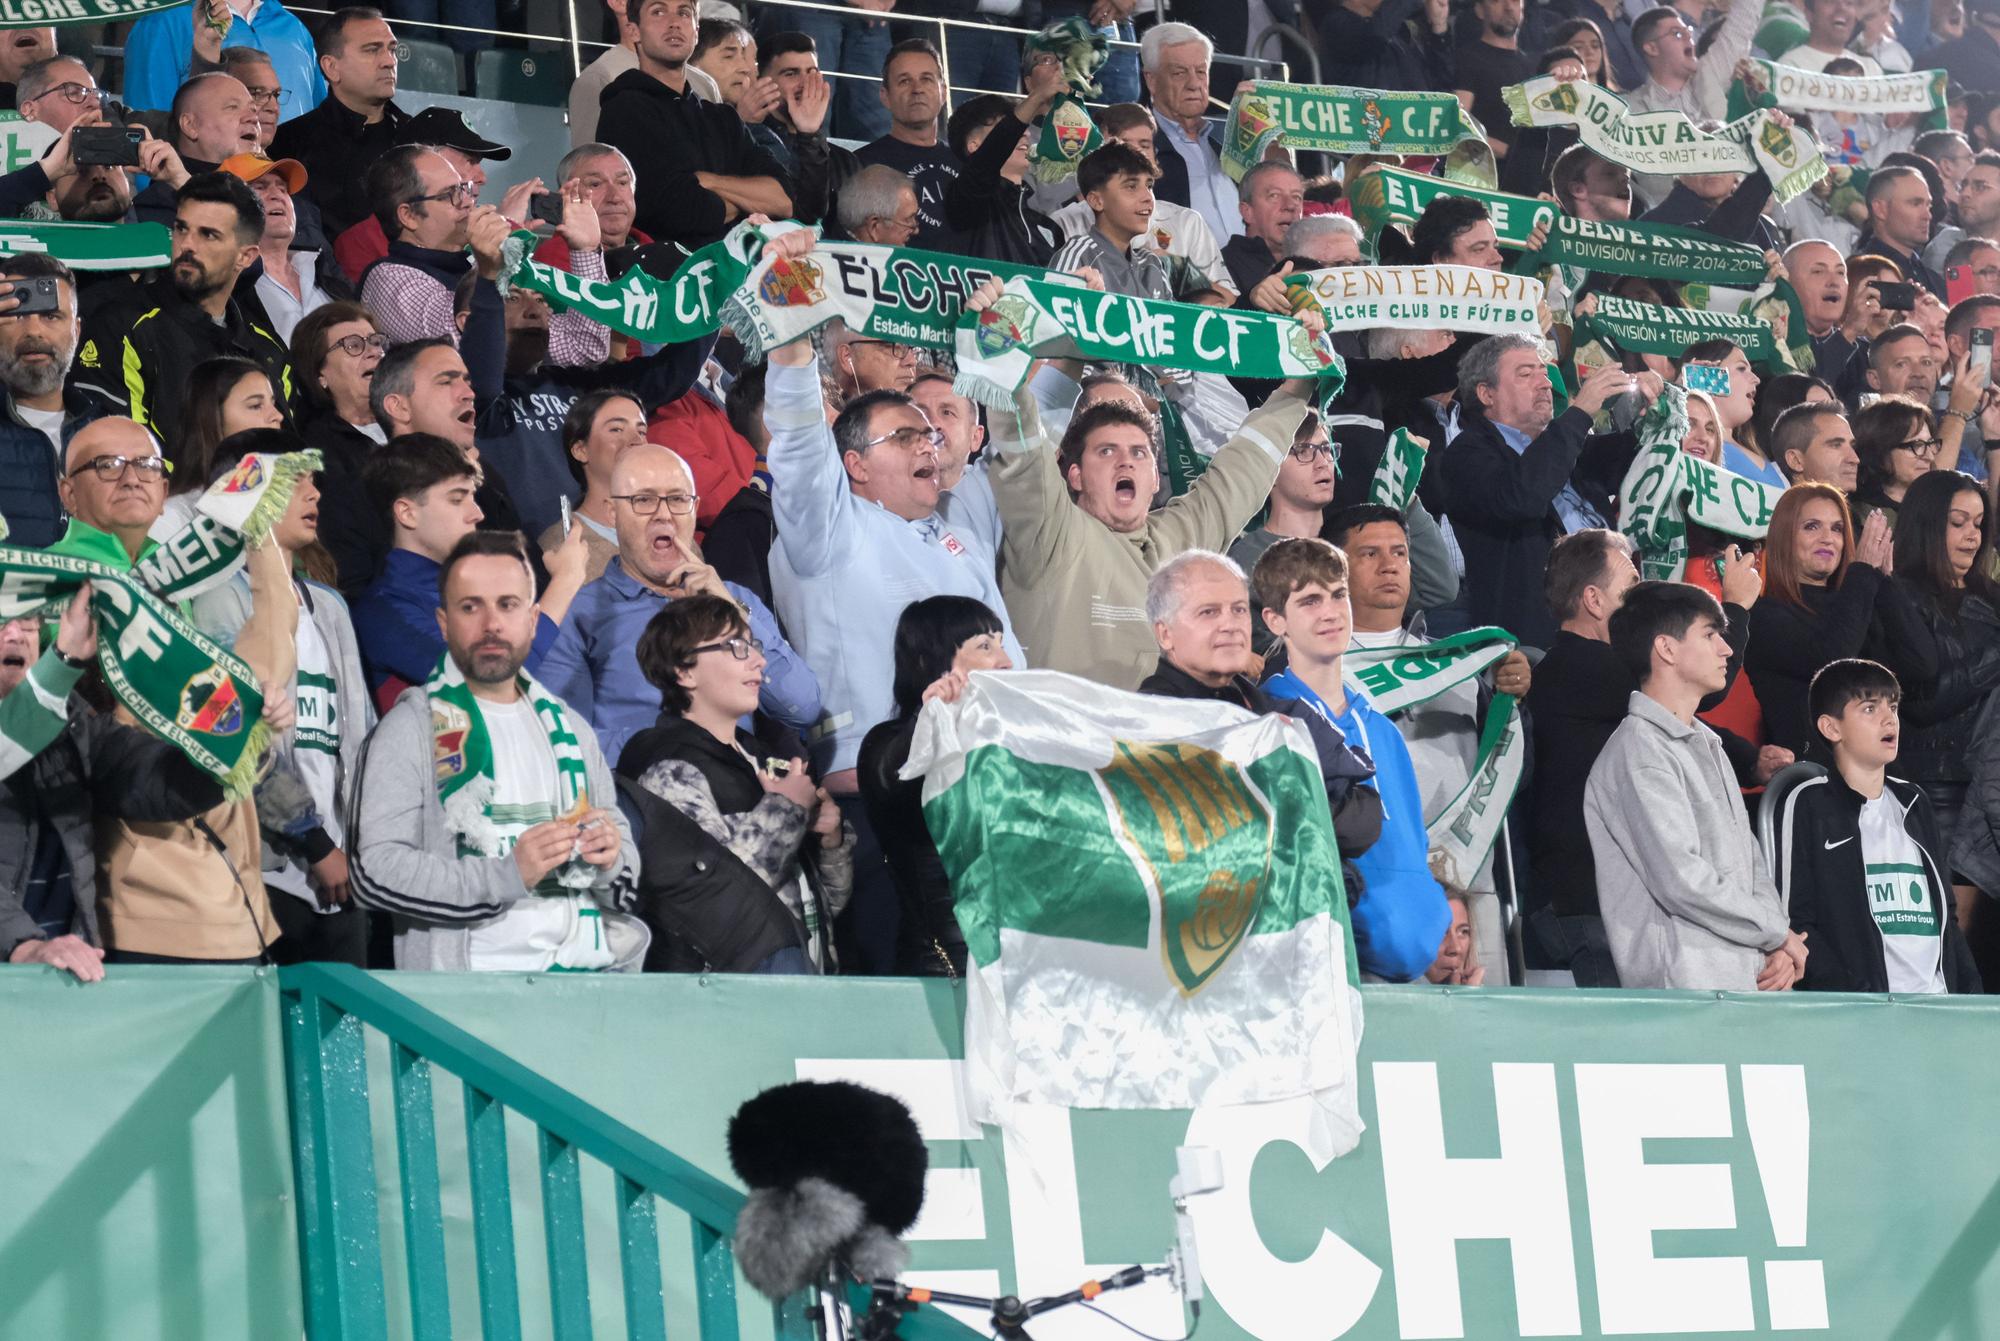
(1248,186)
(1312,227)
(1386,342)
(1481,365)
(1167,585)
(40,77)
(872,193)
(574,160)
(1163,35)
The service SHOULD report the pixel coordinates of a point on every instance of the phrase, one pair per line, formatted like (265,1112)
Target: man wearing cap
(445,130)
(168,45)
(356,124)
(286,282)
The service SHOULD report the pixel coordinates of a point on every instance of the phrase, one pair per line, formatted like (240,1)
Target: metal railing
(327,1010)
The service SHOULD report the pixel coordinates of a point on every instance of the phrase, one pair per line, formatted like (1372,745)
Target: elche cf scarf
(1341,121)
(462,760)
(1666,490)
(1397,679)
(1920,93)
(1151,898)
(1667,143)
(1402,465)
(1421,297)
(1650,328)
(133,246)
(1036,319)
(178,682)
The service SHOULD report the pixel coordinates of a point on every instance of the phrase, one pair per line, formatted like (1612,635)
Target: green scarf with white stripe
(462,757)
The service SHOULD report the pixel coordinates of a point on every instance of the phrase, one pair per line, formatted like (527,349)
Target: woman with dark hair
(1586,39)
(760,804)
(939,642)
(1774,396)
(335,350)
(225,396)
(599,427)
(1828,596)
(1897,441)
(1943,559)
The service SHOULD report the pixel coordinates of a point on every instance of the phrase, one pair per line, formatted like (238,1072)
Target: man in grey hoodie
(1686,897)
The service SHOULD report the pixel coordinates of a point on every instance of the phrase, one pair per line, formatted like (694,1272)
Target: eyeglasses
(112,468)
(901,353)
(459,193)
(1921,446)
(645,505)
(1306,451)
(910,439)
(70,92)
(740,648)
(354,346)
(269,97)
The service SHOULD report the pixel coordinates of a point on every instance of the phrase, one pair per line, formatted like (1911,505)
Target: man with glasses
(212,119)
(879,204)
(58,93)
(445,130)
(167,46)
(593,665)
(1677,80)
(861,364)
(35,354)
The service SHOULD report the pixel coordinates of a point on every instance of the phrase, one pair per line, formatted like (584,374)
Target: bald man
(593,665)
(1818,273)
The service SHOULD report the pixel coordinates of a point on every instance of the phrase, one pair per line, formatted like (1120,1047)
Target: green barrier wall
(1537,1164)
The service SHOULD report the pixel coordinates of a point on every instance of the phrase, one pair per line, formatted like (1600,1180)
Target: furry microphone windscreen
(858,1139)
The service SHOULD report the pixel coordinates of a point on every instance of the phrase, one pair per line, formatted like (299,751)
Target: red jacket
(721,458)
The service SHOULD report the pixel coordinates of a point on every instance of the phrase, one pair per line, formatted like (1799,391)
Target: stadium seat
(538,77)
(427,67)
(1772,818)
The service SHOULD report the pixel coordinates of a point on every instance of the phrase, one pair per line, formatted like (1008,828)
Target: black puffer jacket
(931,944)
(1938,727)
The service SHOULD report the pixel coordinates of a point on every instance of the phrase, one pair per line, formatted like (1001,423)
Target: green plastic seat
(426,67)
(540,78)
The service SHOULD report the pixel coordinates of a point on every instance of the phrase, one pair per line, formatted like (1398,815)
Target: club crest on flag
(1205,838)
(248,475)
(209,704)
(449,727)
(792,282)
(1008,324)
(1306,349)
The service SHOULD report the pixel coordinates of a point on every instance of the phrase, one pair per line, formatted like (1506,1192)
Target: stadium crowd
(595,654)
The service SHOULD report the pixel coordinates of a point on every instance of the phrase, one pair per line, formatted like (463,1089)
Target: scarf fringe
(286,472)
(241,780)
(983,390)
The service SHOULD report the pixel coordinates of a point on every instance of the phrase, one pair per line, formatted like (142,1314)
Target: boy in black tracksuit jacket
(1865,875)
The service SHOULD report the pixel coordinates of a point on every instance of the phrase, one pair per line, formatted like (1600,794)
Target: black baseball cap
(445,126)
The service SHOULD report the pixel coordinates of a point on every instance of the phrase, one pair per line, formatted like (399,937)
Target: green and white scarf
(1396,475)
(1068,134)
(1666,489)
(1034,319)
(1397,679)
(1421,297)
(462,757)
(1341,121)
(1386,195)
(641,305)
(178,682)
(1649,328)
(134,246)
(1667,143)
(1796,90)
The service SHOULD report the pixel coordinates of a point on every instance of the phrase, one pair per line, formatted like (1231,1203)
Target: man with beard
(283,285)
(1491,61)
(698,170)
(212,119)
(593,664)
(445,130)
(141,353)
(97,193)
(539,872)
(35,354)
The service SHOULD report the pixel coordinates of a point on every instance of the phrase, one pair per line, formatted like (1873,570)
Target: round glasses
(70,92)
(645,505)
(354,346)
(269,98)
(458,193)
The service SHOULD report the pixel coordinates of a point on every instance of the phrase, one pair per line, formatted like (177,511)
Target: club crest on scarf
(1778,144)
(792,282)
(1374,123)
(1306,349)
(1204,837)
(1561,98)
(1073,128)
(449,728)
(209,704)
(1008,324)
(1252,121)
(248,475)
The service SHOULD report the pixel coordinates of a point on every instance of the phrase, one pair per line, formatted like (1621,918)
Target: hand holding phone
(1896,297)
(108,146)
(547,207)
(1706,378)
(1980,341)
(564,501)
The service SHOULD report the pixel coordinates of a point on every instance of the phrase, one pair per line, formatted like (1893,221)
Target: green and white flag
(134,246)
(1666,489)
(1151,897)
(1397,679)
(1667,143)
(1396,475)
(1036,319)
(1421,297)
(1068,136)
(1341,121)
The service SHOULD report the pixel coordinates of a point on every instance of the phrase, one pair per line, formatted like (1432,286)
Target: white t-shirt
(552,927)
(1899,896)
(315,749)
(50,422)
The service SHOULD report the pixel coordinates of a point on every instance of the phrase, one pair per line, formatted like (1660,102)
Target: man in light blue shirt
(159,52)
(1174,58)
(593,664)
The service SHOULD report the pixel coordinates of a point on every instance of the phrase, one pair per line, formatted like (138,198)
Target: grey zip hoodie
(1687,899)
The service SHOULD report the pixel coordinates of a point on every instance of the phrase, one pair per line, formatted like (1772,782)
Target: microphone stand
(1009,1314)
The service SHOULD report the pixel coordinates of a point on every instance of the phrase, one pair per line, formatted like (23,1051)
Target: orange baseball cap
(252,166)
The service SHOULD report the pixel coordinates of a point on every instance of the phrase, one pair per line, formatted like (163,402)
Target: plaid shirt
(412,305)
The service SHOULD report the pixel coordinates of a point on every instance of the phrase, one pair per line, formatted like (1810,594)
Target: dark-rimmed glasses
(740,648)
(458,193)
(354,346)
(1921,446)
(646,504)
(1306,451)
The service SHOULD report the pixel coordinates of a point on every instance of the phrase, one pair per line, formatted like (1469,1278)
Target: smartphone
(547,207)
(1706,377)
(1981,340)
(564,500)
(108,146)
(1896,297)
(39,295)
(1959,284)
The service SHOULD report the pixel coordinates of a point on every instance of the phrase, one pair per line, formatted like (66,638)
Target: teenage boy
(1686,898)
(1301,587)
(1117,183)
(1864,876)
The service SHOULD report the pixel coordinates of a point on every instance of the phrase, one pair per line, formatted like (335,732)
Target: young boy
(1864,876)
(1117,183)
(1401,915)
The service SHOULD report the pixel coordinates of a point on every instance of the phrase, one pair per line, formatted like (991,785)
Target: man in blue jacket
(161,51)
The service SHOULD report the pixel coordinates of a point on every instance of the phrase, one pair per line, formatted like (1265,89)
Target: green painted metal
(639,1258)
(492,1215)
(714,1283)
(340,1235)
(423,1216)
(562,1220)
